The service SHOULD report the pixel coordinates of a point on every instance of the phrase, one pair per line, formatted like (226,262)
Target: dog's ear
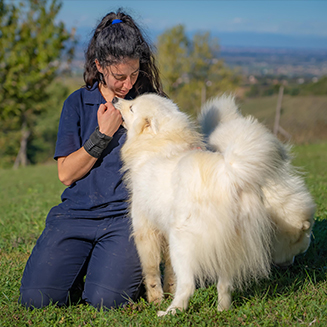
(152,125)
(146,126)
(306,225)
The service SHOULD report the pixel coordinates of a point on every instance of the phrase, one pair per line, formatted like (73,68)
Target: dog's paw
(225,307)
(161,313)
(168,311)
(220,308)
(155,295)
(157,300)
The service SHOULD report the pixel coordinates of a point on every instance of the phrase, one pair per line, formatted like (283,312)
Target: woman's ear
(97,64)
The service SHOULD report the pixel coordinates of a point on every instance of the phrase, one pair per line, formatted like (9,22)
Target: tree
(173,48)
(33,48)
(190,69)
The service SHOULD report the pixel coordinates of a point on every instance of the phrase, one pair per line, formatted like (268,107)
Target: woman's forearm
(75,166)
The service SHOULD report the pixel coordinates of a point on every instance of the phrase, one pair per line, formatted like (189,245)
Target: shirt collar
(93,95)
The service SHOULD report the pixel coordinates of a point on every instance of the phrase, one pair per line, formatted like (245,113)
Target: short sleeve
(68,138)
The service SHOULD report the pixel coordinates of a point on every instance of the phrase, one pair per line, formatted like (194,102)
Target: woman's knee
(100,297)
(39,298)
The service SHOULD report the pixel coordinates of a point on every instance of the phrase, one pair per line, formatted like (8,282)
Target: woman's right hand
(109,119)
(79,163)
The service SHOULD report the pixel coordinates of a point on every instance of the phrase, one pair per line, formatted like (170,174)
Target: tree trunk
(203,94)
(21,158)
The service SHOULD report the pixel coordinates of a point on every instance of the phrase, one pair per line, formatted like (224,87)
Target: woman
(88,234)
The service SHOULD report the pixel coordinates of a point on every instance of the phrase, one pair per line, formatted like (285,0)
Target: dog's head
(288,244)
(145,114)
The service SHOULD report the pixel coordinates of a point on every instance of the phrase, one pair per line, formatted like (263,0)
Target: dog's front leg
(224,288)
(169,286)
(148,244)
(181,259)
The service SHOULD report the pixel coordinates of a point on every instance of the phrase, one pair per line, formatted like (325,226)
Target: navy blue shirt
(101,192)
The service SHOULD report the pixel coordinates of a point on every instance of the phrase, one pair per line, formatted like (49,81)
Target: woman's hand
(79,163)
(109,119)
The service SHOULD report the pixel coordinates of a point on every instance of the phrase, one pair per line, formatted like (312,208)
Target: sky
(265,23)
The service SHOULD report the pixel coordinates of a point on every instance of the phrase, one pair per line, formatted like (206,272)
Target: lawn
(293,297)
(303,117)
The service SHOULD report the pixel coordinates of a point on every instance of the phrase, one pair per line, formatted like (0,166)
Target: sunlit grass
(303,117)
(292,297)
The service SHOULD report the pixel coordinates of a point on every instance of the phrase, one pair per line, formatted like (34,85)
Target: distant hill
(268,61)
(252,53)
(271,40)
(240,39)
(303,117)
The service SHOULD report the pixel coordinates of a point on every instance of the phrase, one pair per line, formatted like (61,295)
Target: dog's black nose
(114,100)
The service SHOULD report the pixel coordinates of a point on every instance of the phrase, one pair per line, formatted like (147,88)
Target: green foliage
(42,142)
(33,47)
(172,51)
(292,297)
(315,88)
(190,71)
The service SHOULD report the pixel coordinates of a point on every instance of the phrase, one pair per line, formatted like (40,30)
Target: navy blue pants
(69,249)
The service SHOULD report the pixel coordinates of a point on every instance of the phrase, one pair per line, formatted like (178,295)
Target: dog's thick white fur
(207,206)
(287,199)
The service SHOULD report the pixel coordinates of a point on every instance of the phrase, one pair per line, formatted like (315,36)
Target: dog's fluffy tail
(250,155)
(217,111)
(253,153)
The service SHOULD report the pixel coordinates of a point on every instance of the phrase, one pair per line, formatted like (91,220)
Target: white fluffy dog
(286,197)
(208,206)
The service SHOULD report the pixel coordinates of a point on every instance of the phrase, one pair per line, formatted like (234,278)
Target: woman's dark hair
(112,44)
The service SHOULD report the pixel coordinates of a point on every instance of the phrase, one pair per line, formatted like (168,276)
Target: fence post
(278,109)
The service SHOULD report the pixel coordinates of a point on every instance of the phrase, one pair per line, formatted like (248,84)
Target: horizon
(280,24)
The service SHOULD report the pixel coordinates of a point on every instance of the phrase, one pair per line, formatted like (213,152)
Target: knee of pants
(104,298)
(39,298)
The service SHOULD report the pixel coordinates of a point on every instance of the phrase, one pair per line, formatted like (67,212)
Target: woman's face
(120,78)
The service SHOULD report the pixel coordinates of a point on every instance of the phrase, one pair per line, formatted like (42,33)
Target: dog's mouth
(114,103)
(114,100)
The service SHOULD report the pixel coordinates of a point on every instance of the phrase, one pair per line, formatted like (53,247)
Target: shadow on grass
(309,267)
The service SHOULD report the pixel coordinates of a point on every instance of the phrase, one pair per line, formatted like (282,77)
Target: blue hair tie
(116,21)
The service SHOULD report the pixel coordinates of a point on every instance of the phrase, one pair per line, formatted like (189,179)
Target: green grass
(293,297)
(303,117)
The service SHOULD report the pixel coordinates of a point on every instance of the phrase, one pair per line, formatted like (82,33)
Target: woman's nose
(128,83)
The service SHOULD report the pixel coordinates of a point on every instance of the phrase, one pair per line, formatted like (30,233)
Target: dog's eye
(131,108)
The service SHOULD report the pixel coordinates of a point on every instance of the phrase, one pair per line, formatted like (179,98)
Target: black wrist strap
(97,142)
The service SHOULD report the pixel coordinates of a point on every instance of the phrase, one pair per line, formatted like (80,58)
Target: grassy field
(303,117)
(293,297)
